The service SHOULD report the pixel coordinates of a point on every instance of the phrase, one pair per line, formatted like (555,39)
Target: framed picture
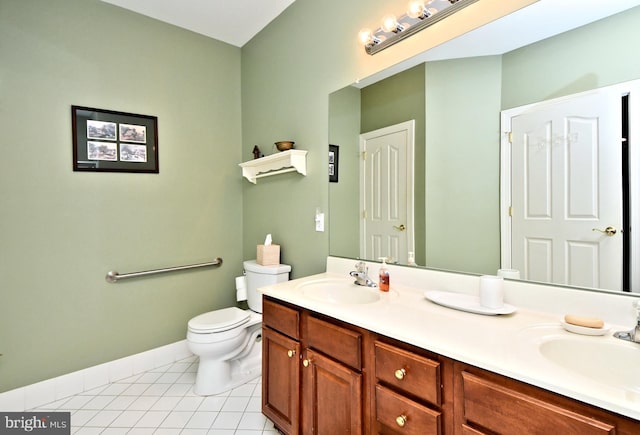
(334,155)
(110,141)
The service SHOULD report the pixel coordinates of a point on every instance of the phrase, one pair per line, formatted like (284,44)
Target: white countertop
(503,344)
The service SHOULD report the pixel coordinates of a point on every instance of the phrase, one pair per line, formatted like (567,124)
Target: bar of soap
(587,322)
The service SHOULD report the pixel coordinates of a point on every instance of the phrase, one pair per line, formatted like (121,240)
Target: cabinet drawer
(283,319)
(504,410)
(337,342)
(403,415)
(411,373)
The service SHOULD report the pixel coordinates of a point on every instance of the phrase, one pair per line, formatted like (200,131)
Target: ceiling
(232,21)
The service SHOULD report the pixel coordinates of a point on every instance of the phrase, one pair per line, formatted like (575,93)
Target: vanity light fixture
(420,14)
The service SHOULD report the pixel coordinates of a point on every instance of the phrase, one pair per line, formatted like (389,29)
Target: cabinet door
(281,380)
(332,397)
(505,409)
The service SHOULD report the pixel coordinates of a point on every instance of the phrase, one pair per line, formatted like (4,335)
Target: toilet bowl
(228,341)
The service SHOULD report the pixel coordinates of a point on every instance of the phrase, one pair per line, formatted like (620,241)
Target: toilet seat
(218,320)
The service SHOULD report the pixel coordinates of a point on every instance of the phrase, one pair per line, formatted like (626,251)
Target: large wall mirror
(454,95)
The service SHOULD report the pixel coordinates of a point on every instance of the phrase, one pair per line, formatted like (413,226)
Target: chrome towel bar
(113,276)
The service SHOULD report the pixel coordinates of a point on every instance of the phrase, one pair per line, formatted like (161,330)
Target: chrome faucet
(361,274)
(634,334)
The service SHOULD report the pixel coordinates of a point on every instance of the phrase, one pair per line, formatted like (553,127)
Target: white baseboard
(38,394)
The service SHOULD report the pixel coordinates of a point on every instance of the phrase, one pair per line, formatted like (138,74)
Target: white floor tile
(75,402)
(177,419)
(152,419)
(143,403)
(235,404)
(253,421)
(254,405)
(103,419)
(227,420)
(135,390)
(127,419)
(114,389)
(161,401)
(166,403)
(189,403)
(178,390)
(187,378)
(148,378)
(156,389)
(141,431)
(179,367)
(190,431)
(98,402)
(243,391)
(168,378)
(212,403)
(120,402)
(202,420)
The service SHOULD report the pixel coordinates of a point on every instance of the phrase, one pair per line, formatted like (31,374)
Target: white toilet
(228,341)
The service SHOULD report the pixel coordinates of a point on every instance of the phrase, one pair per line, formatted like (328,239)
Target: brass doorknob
(401,420)
(609,231)
(291,353)
(306,362)
(400,228)
(400,374)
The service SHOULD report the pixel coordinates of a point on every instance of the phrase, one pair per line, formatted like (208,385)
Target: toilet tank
(260,276)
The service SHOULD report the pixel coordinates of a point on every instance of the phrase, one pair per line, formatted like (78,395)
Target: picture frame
(334,158)
(111,141)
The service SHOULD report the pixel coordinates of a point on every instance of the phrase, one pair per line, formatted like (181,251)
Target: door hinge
(364,214)
(510,211)
(364,155)
(510,136)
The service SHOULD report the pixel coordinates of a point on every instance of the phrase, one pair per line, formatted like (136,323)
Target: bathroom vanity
(401,364)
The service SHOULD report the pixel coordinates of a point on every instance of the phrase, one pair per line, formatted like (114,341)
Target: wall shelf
(280,163)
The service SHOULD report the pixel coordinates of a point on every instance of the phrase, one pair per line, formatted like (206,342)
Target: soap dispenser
(384,276)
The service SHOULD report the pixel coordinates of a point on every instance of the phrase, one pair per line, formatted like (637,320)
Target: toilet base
(215,377)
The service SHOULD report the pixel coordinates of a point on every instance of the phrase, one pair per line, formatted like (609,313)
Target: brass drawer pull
(306,362)
(401,420)
(291,353)
(400,374)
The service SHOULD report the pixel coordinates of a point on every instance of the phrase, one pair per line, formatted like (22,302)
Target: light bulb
(390,23)
(415,9)
(365,36)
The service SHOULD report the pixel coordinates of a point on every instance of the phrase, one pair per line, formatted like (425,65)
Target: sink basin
(604,360)
(339,291)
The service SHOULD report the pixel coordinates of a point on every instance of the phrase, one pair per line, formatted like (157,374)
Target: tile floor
(161,401)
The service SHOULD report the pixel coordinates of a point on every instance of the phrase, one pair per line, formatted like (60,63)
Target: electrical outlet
(320,222)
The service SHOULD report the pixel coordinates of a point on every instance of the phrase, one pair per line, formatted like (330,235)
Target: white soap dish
(464,302)
(584,330)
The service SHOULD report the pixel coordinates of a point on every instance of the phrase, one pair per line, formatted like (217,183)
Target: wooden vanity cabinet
(281,365)
(409,396)
(313,380)
(487,403)
(322,376)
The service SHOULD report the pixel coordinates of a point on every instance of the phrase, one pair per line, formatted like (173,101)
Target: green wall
(61,231)
(344,205)
(600,54)
(462,164)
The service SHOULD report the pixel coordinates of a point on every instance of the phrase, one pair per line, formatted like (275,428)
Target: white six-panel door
(386,194)
(566,186)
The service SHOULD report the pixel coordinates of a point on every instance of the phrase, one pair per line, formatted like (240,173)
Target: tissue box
(268,255)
